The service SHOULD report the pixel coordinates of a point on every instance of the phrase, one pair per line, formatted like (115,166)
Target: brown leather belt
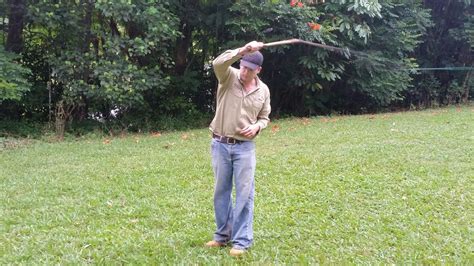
(227,140)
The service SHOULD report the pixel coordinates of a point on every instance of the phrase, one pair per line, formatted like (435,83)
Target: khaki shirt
(236,109)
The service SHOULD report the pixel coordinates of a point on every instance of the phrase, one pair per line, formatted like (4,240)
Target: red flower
(314,26)
(300,4)
(293,2)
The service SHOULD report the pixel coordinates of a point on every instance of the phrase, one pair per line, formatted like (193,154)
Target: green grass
(371,189)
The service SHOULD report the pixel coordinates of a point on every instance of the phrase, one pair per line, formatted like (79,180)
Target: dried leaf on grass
(275,129)
(156,134)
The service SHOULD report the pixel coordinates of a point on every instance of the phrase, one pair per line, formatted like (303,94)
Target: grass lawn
(371,189)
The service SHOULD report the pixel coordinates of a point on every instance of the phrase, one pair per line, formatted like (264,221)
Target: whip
(346,52)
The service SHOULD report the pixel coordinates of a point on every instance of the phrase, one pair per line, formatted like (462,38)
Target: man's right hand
(251,47)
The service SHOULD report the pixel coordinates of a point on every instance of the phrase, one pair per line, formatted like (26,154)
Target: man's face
(247,74)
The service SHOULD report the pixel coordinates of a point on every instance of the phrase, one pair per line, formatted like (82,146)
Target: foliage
(151,59)
(448,43)
(13,77)
(21,129)
(107,55)
(383,77)
(387,33)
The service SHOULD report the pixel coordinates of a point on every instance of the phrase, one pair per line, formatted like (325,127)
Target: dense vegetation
(133,65)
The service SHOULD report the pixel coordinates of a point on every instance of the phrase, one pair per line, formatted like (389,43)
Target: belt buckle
(231,141)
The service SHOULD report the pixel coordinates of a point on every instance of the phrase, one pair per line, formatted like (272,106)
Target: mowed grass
(370,189)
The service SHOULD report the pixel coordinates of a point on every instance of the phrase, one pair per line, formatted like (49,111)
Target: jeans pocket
(248,146)
(213,143)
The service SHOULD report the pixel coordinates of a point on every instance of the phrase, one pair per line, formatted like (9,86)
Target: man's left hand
(250,131)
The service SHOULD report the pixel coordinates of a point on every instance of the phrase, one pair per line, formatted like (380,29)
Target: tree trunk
(135,31)
(16,15)
(184,43)
(60,123)
(87,21)
(63,115)
(4,21)
(467,82)
(182,48)
(114,28)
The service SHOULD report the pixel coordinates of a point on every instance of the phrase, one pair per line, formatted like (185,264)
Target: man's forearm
(222,63)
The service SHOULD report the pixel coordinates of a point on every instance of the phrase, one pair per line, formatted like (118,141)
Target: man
(243,107)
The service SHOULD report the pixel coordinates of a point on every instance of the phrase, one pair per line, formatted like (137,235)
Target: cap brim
(249,64)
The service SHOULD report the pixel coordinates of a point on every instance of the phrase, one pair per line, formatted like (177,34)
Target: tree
(380,76)
(16,15)
(107,55)
(148,60)
(13,76)
(306,80)
(448,43)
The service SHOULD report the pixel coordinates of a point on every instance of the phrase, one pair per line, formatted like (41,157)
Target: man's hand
(251,47)
(250,131)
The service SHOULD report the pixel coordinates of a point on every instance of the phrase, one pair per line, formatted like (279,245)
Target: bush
(22,128)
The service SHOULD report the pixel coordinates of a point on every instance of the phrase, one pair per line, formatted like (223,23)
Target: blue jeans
(234,162)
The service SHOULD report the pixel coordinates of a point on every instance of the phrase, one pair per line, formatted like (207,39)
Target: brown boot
(214,244)
(237,252)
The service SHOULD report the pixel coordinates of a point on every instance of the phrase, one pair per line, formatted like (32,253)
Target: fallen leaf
(184,136)
(275,129)
(106,141)
(156,134)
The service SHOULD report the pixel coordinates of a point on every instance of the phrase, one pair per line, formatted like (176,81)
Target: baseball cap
(252,60)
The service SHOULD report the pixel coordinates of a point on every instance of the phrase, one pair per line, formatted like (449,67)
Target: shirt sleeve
(223,62)
(263,116)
